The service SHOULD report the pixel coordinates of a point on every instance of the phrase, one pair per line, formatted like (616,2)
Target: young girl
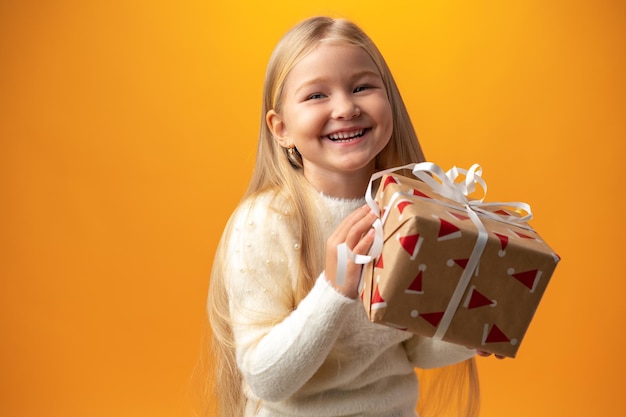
(289,339)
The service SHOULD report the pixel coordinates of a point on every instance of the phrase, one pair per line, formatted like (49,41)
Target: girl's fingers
(486,354)
(356,231)
(359,230)
(362,247)
(345,228)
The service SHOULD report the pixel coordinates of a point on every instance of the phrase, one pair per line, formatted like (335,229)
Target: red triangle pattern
(379,263)
(527,278)
(459,215)
(496,335)
(446,228)
(409,243)
(402,205)
(433,318)
(419,193)
(376,298)
(477,299)
(504,240)
(524,236)
(461,262)
(389,180)
(502,212)
(416,285)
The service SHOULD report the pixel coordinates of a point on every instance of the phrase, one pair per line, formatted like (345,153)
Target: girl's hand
(356,231)
(485,354)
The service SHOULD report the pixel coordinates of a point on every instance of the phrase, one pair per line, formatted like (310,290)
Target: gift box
(452,267)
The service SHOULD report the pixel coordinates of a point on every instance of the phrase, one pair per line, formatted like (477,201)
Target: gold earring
(293,156)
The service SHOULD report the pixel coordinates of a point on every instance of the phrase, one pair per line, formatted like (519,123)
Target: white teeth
(346,135)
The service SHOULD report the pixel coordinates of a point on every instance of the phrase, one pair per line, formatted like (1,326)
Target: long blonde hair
(277,171)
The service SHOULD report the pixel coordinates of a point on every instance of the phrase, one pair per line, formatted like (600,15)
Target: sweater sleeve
(426,352)
(278,348)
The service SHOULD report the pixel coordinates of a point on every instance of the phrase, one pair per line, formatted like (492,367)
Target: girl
(288,339)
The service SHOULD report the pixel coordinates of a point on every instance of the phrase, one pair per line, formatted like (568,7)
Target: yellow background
(127,135)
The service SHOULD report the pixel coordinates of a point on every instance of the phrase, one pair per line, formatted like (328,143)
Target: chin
(354,165)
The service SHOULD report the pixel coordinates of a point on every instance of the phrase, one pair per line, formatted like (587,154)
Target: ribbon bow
(446,185)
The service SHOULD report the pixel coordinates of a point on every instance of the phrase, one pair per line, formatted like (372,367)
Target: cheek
(305,121)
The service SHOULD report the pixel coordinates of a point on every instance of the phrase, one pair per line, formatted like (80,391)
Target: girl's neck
(344,185)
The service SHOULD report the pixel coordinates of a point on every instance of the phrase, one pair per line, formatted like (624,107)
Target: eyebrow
(321,80)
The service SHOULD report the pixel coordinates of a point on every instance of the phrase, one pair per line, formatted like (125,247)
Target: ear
(278,128)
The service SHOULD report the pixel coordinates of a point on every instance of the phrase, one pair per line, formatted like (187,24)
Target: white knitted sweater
(325,358)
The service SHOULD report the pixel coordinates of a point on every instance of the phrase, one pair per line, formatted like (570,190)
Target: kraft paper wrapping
(428,242)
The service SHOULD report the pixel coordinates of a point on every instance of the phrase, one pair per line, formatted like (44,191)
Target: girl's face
(336,113)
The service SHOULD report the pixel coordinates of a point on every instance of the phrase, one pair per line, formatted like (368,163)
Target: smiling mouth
(346,136)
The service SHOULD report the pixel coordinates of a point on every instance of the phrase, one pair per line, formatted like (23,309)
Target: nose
(345,107)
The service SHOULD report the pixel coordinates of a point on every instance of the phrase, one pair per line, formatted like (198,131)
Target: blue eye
(315,96)
(361,88)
